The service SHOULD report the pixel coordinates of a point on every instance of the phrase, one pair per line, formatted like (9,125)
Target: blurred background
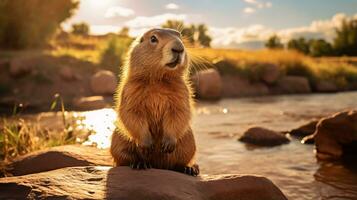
(265,63)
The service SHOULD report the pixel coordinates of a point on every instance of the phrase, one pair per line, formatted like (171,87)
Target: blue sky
(233,23)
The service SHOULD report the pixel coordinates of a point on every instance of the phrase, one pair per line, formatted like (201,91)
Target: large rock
(293,85)
(103,83)
(125,183)
(271,73)
(326,86)
(263,137)
(304,130)
(208,84)
(68,74)
(59,157)
(237,86)
(336,136)
(20,67)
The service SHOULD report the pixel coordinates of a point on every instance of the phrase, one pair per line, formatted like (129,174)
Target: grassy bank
(85,55)
(252,64)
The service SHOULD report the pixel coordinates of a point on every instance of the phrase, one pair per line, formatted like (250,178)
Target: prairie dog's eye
(153,39)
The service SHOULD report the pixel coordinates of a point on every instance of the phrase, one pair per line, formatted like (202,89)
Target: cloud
(103,29)
(118,11)
(257,4)
(249,10)
(172,6)
(268,4)
(233,37)
(153,21)
(317,29)
(254,36)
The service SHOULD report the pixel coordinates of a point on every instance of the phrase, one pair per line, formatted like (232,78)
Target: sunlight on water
(101,122)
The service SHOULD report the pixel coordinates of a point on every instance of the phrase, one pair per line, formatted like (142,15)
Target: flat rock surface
(94,182)
(59,157)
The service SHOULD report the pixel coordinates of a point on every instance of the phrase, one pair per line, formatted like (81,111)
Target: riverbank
(75,72)
(293,167)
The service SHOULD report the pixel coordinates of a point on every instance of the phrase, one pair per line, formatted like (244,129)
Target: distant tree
(300,45)
(203,38)
(111,57)
(31,23)
(320,47)
(190,33)
(274,43)
(80,28)
(124,32)
(345,42)
(193,34)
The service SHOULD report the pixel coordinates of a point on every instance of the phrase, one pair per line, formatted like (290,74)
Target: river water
(292,167)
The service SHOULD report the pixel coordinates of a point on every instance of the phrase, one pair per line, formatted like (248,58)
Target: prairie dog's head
(159,50)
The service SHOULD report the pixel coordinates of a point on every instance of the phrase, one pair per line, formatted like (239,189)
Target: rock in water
(124,183)
(263,137)
(304,130)
(59,157)
(336,136)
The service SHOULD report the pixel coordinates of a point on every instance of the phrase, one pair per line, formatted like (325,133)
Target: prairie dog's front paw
(168,144)
(146,144)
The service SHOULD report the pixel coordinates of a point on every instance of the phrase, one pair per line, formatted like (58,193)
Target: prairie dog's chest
(156,98)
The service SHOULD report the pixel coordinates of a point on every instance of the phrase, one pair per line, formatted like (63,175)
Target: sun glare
(101,122)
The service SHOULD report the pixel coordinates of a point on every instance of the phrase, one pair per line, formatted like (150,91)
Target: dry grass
(252,63)
(19,136)
(86,48)
(340,70)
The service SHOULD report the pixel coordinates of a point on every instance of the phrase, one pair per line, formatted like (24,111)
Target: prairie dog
(154,106)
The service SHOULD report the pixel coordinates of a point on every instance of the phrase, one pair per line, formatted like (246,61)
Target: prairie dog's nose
(177,48)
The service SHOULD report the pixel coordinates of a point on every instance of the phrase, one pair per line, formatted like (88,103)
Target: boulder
(263,137)
(95,182)
(104,83)
(293,85)
(4,63)
(208,84)
(68,74)
(271,73)
(59,157)
(90,103)
(304,130)
(336,136)
(237,86)
(326,86)
(20,67)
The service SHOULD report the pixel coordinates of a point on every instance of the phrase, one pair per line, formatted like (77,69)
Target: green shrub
(80,28)
(113,54)
(30,23)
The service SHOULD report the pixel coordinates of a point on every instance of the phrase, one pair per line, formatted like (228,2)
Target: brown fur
(154,104)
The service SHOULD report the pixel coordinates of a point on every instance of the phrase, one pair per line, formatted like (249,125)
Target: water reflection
(101,122)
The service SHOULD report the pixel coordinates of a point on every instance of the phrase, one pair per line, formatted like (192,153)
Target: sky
(232,23)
